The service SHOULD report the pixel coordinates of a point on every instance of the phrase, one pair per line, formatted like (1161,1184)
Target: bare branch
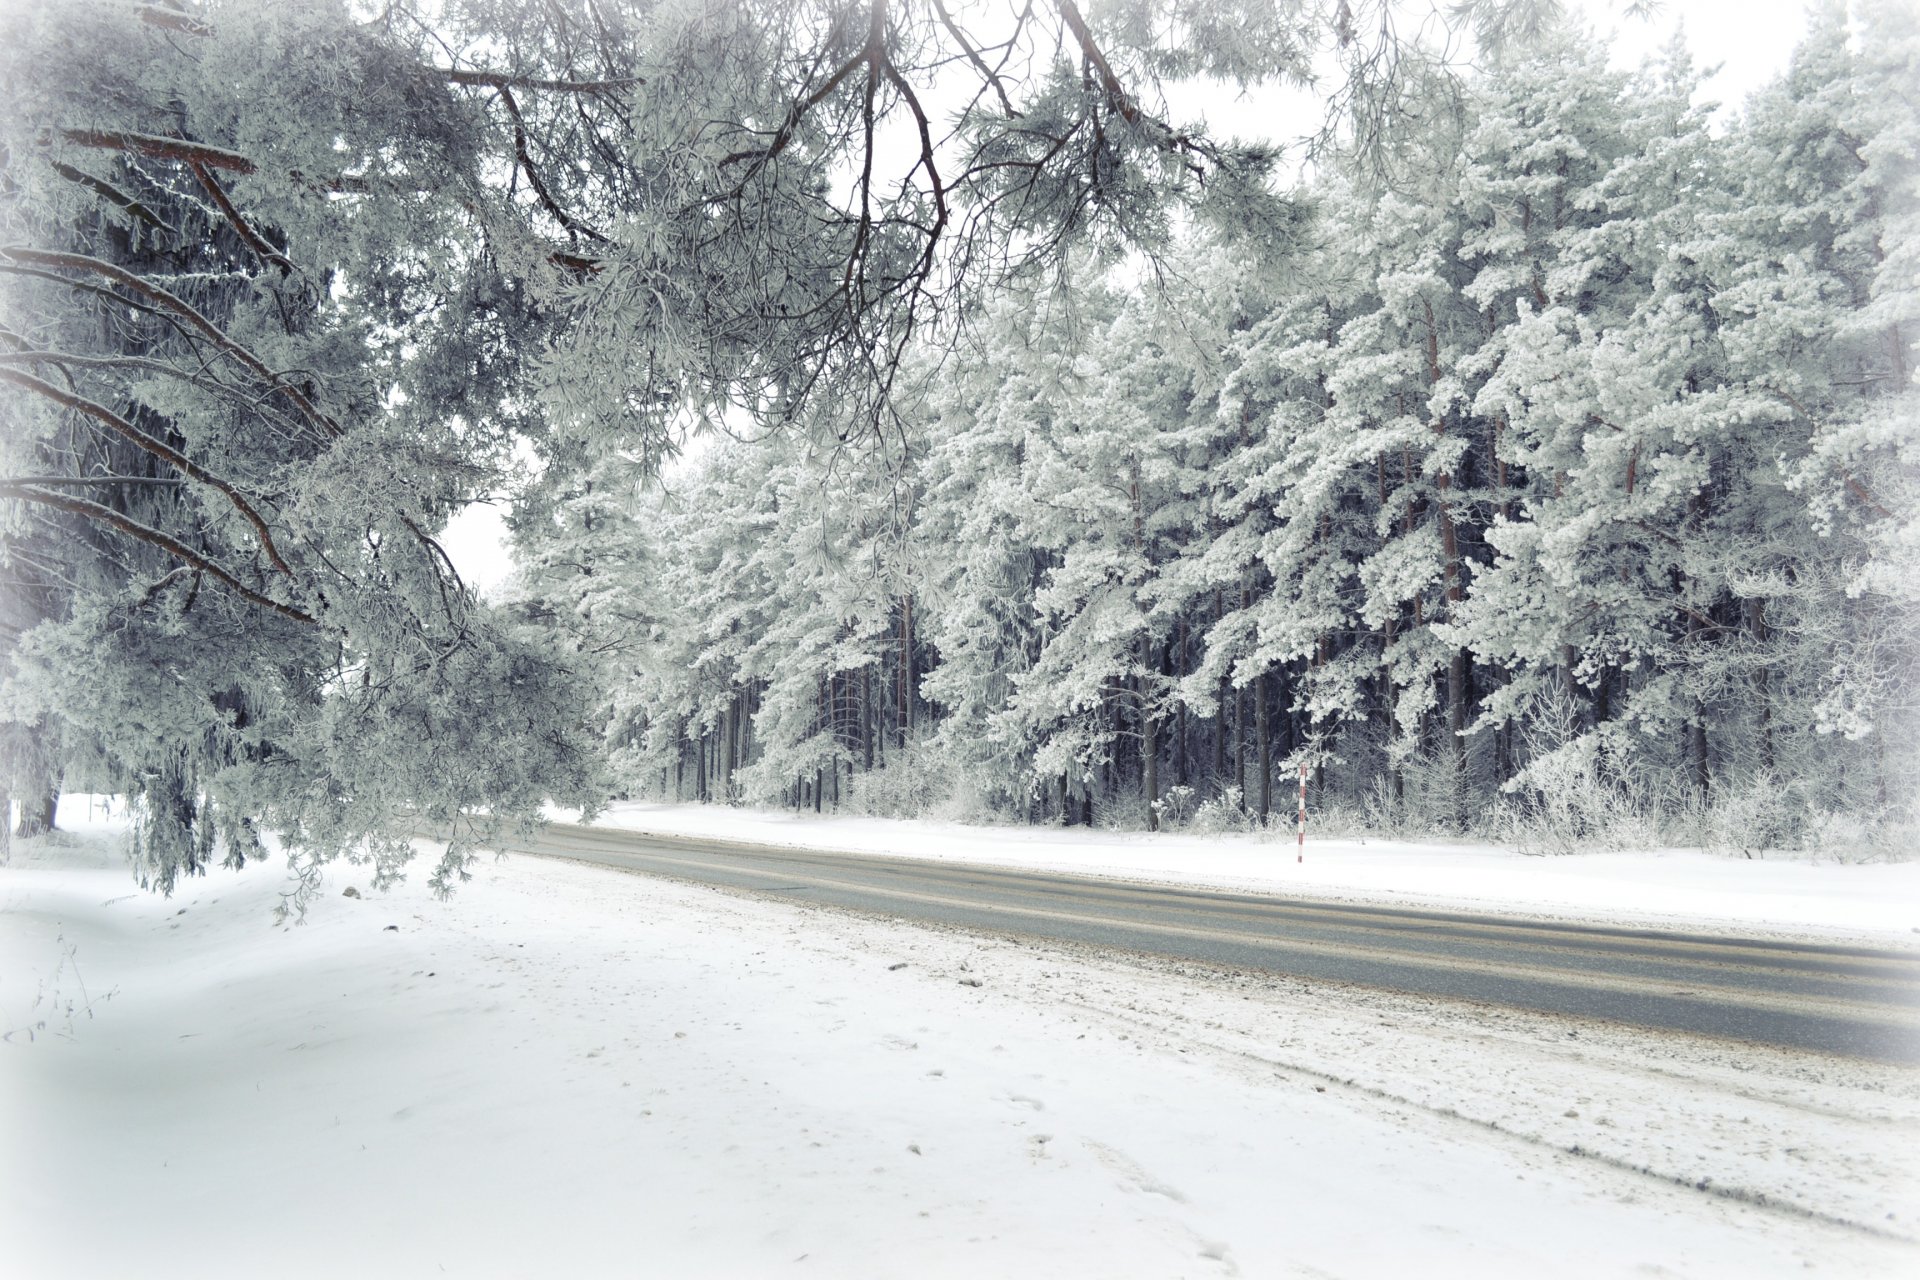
(783,136)
(1165,136)
(110,193)
(198,378)
(552,206)
(172,19)
(987,74)
(161,148)
(186,311)
(253,239)
(81,482)
(153,537)
(158,448)
(500,80)
(1116,93)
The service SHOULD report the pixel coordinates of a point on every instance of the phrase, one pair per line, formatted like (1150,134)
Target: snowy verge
(567,1070)
(1675,888)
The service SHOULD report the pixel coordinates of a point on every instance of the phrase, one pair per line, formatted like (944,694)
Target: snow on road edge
(1834,901)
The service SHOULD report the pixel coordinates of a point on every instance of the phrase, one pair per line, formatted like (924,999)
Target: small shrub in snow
(1223,813)
(1176,807)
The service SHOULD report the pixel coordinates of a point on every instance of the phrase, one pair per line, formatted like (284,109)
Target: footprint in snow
(1122,1164)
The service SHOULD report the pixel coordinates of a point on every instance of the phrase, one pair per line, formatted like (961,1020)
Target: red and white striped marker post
(1301,856)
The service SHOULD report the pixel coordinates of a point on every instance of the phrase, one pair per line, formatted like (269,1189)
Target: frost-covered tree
(253,357)
(1579,450)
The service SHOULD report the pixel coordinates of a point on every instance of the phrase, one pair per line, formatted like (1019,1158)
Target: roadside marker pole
(1301,856)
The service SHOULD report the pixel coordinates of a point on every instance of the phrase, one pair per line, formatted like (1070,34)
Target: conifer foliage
(1574,462)
(253,355)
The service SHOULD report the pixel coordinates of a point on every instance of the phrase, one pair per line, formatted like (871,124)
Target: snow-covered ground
(1681,888)
(570,1071)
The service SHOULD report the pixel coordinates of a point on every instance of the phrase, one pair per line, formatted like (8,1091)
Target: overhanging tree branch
(81,482)
(251,238)
(501,80)
(181,308)
(153,537)
(525,158)
(197,377)
(158,448)
(161,148)
(110,193)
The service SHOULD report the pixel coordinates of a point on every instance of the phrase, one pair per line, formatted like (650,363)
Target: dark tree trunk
(1697,749)
(1880,771)
(1763,681)
(1266,745)
(1219,715)
(1150,771)
(1240,745)
(906,667)
(37,809)
(1220,735)
(1180,716)
(1149,736)
(866,721)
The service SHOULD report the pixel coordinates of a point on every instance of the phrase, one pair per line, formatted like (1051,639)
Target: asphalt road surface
(1853,1001)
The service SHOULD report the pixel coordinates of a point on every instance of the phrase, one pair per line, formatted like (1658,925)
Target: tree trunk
(1180,716)
(1220,714)
(38,807)
(1763,681)
(1880,772)
(866,722)
(1453,589)
(1697,726)
(1150,771)
(1697,748)
(1149,734)
(1240,745)
(1266,746)
(1457,731)
(1220,735)
(906,667)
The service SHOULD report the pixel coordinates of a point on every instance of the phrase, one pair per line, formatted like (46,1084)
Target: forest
(904,408)
(1547,488)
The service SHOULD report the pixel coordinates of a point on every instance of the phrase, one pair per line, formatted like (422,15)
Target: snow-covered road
(570,1071)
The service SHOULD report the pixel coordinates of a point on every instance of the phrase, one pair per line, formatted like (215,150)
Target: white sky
(1750,40)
